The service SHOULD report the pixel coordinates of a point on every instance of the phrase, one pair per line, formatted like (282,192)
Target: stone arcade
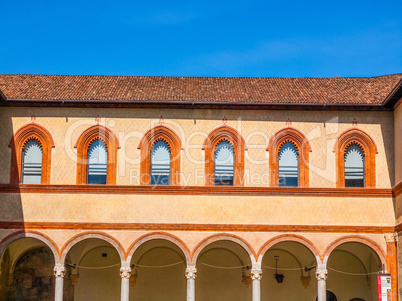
(178,188)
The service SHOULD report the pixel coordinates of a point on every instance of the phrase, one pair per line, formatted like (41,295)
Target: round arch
(358,239)
(22,135)
(89,135)
(159,235)
(361,138)
(231,135)
(31,234)
(288,238)
(88,235)
(160,132)
(221,237)
(289,134)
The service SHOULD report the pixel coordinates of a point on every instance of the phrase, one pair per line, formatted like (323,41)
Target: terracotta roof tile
(335,90)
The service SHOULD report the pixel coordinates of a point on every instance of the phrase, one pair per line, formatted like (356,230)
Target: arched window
(355,159)
(354,166)
(160,157)
(31,163)
(224,157)
(160,163)
(31,148)
(224,164)
(97,156)
(97,163)
(289,158)
(288,171)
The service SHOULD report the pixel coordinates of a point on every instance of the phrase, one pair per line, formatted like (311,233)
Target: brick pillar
(392,263)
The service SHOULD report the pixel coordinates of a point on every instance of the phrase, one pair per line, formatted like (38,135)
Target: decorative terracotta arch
(292,135)
(159,235)
(88,235)
(82,145)
(369,148)
(232,136)
(221,237)
(359,239)
(160,132)
(32,234)
(22,135)
(290,238)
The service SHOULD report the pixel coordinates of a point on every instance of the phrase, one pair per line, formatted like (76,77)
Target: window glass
(160,164)
(224,164)
(97,163)
(32,163)
(354,166)
(288,166)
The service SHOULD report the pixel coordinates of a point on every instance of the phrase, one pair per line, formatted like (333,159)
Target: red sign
(384,287)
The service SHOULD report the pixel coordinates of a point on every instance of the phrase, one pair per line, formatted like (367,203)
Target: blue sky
(202,38)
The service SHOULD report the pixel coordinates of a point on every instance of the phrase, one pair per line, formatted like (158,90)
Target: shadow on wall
(389,152)
(11,204)
(11,211)
(390,160)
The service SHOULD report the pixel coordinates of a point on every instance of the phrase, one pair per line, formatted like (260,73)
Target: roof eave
(3,99)
(394,96)
(193,104)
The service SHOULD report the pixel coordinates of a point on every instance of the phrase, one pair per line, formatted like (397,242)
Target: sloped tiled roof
(335,90)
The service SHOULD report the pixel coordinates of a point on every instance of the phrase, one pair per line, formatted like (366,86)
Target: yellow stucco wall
(97,208)
(398,179)
(321,128)
(398,209)
(398,144)
(192,126)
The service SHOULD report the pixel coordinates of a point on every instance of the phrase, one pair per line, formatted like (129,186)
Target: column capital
(256,274)
(191,272)
(125,272)
(391,237)
(59,271)
(321,274)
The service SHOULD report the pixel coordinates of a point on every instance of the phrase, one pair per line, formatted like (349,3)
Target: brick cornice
(398,228)
(196,227)
(198,190)
(397,189)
